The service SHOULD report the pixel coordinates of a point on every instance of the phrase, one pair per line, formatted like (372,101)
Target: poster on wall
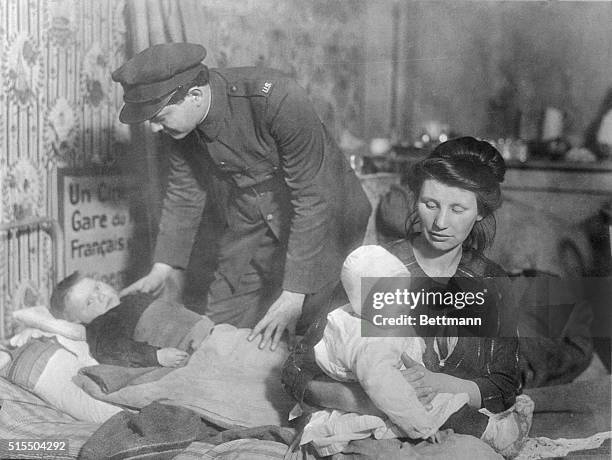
(94,211)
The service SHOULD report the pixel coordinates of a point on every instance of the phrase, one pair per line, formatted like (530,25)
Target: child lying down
(110,323)
(241,385)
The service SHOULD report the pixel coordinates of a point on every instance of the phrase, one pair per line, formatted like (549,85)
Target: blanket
(24,416)
(163,431)
(573,410)
(228,380)
(569,419)
(168,324)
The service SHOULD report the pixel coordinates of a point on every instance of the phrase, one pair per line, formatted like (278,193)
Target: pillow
(46,368)
(78,347)
(41,318)
(23,337)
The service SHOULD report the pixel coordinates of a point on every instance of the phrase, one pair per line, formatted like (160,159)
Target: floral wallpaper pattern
(58,109)
(321,43)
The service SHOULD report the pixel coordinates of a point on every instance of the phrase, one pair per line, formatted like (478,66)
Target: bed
(39,395)
(238,386)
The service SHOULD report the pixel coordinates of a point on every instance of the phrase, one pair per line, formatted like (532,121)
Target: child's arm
(109,337)
(374,363)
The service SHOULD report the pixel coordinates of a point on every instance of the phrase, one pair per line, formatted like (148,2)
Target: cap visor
(137,113)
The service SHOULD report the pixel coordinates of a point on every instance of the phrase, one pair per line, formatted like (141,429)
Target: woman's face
(447,214)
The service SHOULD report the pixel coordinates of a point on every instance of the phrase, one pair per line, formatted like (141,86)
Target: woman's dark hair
(57,304)
(472,165)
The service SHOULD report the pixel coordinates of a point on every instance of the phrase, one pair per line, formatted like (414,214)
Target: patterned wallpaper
(59,109)
(59,105)
(318,42)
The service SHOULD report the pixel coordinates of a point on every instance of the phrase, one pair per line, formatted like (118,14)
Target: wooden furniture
(543,221)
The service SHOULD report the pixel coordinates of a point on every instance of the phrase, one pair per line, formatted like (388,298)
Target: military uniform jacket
(263,154)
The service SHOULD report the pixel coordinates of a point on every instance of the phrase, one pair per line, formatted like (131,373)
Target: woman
(458,190)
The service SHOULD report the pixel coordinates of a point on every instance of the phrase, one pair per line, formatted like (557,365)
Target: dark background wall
(490,68)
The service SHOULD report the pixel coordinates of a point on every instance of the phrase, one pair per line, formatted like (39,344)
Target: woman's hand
(418,375)
(423,380)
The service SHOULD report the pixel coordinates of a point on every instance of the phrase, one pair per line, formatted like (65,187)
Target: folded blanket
(228,381)
(164,323)
(158,431)
(112,378)
(176,330)
(162,431)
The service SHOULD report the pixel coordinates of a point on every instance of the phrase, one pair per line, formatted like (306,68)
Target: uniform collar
(218,107)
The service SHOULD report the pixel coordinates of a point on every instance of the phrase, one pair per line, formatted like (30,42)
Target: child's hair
(57,305)
(370,261)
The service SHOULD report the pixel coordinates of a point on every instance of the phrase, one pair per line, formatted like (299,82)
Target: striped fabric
(24,416)
(30,360)
(241,449)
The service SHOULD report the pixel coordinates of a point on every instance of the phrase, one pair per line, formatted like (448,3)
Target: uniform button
(269,217)
(233,89)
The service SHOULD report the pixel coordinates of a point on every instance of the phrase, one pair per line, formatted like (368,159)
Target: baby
(375,362)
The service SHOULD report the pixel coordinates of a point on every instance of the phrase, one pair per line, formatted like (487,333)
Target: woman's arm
(304,380)
(349,397)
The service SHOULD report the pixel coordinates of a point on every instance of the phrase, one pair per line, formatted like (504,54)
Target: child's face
(89,299)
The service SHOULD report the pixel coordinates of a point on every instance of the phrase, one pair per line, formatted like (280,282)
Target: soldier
(249,139)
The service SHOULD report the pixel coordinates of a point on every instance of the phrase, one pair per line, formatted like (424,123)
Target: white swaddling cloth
(375,362)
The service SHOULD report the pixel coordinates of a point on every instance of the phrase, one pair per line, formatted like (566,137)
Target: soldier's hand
(282,316)
(153,283)
(171,357)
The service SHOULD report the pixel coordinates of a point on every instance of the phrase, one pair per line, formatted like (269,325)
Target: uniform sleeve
(301,366)
(181,212)
(301,139)
(110,337)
